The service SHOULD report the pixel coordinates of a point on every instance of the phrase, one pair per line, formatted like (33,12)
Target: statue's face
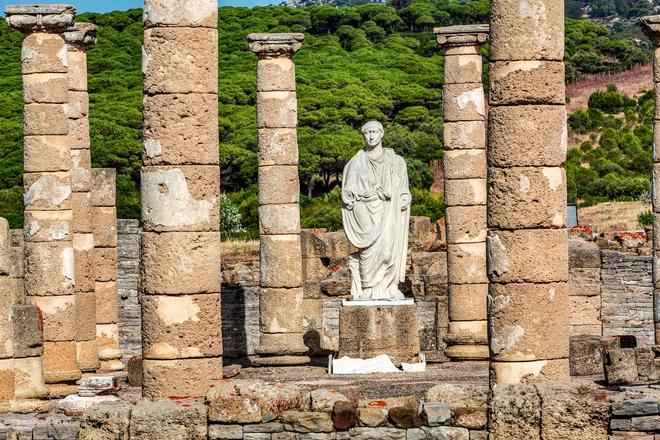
(372,136)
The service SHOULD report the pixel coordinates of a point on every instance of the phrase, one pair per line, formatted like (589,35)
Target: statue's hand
(405,202)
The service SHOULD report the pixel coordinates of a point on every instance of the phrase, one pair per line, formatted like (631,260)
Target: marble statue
(376,213)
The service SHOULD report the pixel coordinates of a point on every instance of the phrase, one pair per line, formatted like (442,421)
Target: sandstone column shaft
(8,297)
(49,253)
(527,242)
(464,164)
(281,295)
(78,38)
(105,268)
(651,27)
(181,278)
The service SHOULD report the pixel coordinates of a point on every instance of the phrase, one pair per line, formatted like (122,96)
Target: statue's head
(372,132)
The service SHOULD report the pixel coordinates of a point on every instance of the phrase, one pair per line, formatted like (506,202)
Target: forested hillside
(358,63)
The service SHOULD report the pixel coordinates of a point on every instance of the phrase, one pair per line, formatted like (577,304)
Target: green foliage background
(358,63)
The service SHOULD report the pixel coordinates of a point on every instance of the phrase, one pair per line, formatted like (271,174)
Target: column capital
(651,27)
(40,18)
(462,35)
(275,45)
(81,35)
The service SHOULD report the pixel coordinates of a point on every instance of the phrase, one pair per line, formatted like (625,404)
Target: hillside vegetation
(358,63)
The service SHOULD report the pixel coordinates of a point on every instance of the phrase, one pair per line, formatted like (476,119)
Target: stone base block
(182,377)
(85,316)
(279,344)
(553,370)
(61,362)
(59,316)
(28,331)
(274,361)
(30,406)
(29,378)
(7,381)
(61,390)
(586,355)
(111,366)
(88,355)
(366,332)
(467,352)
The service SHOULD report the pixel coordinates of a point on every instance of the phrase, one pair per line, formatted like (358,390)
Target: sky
(113,5)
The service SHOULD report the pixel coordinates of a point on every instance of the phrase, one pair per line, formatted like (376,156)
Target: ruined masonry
(180,278)
(527,242)
(651,27)
(281,280)
(464,164)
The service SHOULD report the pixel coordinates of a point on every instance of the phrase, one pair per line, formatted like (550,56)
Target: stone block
(225,432)
(476,331)
(527,31)
(366,433)
(44,53)
(464,164)
(182,198)
(107,302)
(59,316)
(253,401)
(621,366)
(527,82)
(466,263)
(199,13)
(50,88)
(180,129)
(79,136)
(85,316)
(175,327)
(306,421)
(281,263)
(167,420)
(366,332)
(81,174)
(436,414)
(515,412)
(77,70)
(60,362)
(507,373)
(636,407)
(467,302)
(29,378)
(468,418)
(81,205)
(583,254)
(7,381)
(279,185)
(83,245)
(647,423)
(105,263)
(27,333)
(527,136)
(465,192)
(344,415)
(56,429)
(78,105)
(279,219)
(277,109)
(181,377)
(104,226)
(584,310)
(105,422)
(323,400)
(48,226)
(530,197)
(180,60)
(583,281)
(47,191)
(405,417)
(372,417)
(531,255)
(176,263)
(524,321)
(104,190)
(46,153)
(463,102)
(466,224)
(280,310)
(49,269)
(277,146)
(283,346)
(586,355)
(276,74)
(465,68)
(45,119)
(88,355)
(464,135)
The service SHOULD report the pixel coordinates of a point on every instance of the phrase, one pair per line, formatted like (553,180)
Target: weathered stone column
(105,268)
(464,164)
(78,38)
(49,253)
(8,297)
(180,282)
(527,242)
(281,295)
(651,27)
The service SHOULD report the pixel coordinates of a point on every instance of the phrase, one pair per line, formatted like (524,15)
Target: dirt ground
(612,216)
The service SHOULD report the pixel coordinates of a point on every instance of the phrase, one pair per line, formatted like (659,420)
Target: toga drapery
(373,194)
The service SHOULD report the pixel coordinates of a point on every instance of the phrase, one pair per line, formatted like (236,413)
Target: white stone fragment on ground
(417,367)
(97,386)
(75,405)
(378,364)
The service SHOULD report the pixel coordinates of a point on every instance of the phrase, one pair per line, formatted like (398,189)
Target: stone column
(9,287)
(78,38)
(49,253)
(281,293)
(105,265)
(527,241)
(180,281)
(464,164)
(651,27)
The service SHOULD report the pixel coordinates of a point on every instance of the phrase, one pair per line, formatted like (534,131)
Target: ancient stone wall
(128,280)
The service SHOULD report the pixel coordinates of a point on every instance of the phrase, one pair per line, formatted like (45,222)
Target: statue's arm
(406,198)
